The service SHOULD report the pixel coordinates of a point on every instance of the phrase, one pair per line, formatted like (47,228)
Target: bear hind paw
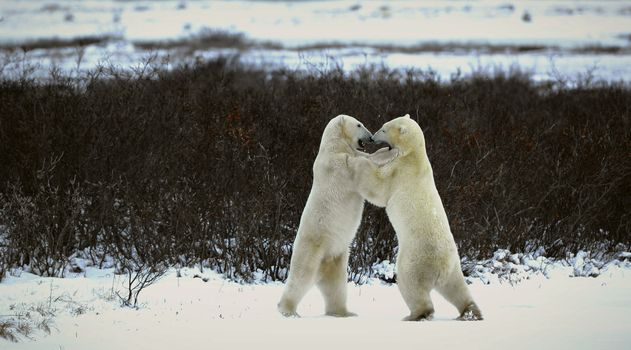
(424,316)
(341,314)
(287,311)
(471,313)
(290,314)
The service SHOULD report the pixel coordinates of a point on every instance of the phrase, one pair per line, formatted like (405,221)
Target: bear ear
(407,116)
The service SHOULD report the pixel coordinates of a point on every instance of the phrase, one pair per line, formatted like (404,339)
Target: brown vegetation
(212,164)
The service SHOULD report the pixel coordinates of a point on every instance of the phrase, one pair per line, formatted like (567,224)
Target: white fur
(428,258)
(329,222)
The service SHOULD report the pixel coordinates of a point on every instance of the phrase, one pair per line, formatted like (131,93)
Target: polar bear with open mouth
(329,221)
(428,257)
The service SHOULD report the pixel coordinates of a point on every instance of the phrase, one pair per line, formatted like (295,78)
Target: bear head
(349,130)
(402,134)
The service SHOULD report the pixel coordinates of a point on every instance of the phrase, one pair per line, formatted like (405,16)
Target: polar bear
(329,221)
(427,258)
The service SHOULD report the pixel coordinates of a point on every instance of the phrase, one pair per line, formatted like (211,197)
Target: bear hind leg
(422,310)
(456,292)
(332,284)
(303,272)
(415,293)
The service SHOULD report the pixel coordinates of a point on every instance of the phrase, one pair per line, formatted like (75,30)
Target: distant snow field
(547,39)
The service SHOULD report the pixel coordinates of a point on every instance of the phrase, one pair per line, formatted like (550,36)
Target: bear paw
(287,311)
(384,156)
(425,316)
(293,314)
(341,314)
(471,313)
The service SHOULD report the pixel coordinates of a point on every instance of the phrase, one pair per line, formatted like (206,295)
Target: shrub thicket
(212,163)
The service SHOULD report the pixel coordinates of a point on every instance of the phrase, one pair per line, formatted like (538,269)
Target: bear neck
(418,162)
(338,146)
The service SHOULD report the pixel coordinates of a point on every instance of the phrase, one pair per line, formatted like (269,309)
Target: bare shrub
(42,227)
(7,328)
(24,321)
(139,276)
(6,258)
(211,163)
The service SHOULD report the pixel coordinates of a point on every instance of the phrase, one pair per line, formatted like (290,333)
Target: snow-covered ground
(293,23)
(550,39)
(204,310)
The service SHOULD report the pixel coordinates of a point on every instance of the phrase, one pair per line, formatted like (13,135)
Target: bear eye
(359,125)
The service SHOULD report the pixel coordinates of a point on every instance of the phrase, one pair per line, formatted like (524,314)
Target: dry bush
(7,329)
(211,163)
(42,227)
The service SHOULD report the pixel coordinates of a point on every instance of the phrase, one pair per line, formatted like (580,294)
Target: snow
(83,312)
(562,28)
(299,23)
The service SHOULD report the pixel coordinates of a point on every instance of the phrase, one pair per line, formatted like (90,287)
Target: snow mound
(513,268)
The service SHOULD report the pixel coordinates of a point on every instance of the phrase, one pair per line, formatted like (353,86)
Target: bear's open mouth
(361,145)
(372,147)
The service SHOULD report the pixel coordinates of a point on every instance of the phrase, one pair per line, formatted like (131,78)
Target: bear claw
(290,314)
(426,316)
(342,314)
(471,313)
